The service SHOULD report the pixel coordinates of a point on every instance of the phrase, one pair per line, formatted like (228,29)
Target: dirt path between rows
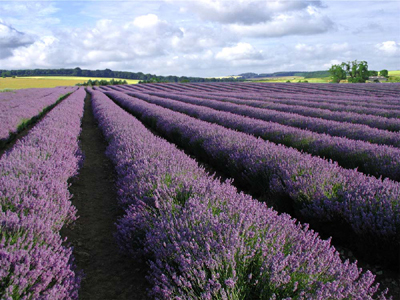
(108,274)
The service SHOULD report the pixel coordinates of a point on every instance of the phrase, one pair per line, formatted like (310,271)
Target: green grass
(293,79)
(47,81)
(394,76)
(394,73)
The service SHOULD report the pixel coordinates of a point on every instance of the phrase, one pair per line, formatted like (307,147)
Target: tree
(337,73)
(77,72)
(372,73)
(358,71)
(384,73)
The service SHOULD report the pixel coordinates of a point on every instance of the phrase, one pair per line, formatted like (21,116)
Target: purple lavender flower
(35,205)
(201,238)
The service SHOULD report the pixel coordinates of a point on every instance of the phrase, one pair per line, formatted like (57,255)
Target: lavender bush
(383,93)
(368,105)
(386,92)
(333,128)
(349,104)
(35,206)
(19,107)
(377,160)
(202,239)
(374,121)
(321,188)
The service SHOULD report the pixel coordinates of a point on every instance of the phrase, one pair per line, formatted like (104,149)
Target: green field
(291,79)
(48,81)
(394,73)
(394,76)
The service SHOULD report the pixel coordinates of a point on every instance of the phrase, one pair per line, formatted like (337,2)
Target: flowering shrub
(321,188)
(333,128)
(377,160)
(203,239)
(35,206)
(17,108)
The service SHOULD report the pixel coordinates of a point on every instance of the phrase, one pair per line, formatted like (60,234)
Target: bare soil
(109,274)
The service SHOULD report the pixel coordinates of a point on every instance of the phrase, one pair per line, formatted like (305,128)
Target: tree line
(109,74)
(102,82)
(354,72)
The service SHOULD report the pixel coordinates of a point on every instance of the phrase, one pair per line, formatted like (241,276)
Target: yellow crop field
(48,81)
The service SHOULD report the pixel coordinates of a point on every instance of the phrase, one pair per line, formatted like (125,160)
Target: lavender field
(221,191)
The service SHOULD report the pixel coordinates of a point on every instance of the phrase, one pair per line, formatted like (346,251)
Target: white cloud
(390,48)
(198,37)
(331,63)
(147,21)
(241,51)
(36,54)
(322,51)
(305,22)
(29,16)
(243,11)
(340,47)
(134,44)
(194,39)
(11,39)
(304,47)
(255,18)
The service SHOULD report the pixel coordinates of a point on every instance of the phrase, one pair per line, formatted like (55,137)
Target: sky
(203,38)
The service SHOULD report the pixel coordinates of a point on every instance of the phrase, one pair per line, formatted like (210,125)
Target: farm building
(377,79)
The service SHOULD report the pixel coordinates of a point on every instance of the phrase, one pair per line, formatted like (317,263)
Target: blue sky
(199,37)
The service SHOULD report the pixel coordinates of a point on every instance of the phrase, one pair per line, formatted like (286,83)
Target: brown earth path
(108,274)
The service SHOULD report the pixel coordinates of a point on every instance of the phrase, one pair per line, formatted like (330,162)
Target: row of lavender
(333,128)
(17,108)
(202,239)
(385,92)
(387,119)
(360,105)
(35,206)
(345,101)
(345,104)
(377,160)
(320,189)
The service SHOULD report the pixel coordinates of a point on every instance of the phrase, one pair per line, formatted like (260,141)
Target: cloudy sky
(199,37)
